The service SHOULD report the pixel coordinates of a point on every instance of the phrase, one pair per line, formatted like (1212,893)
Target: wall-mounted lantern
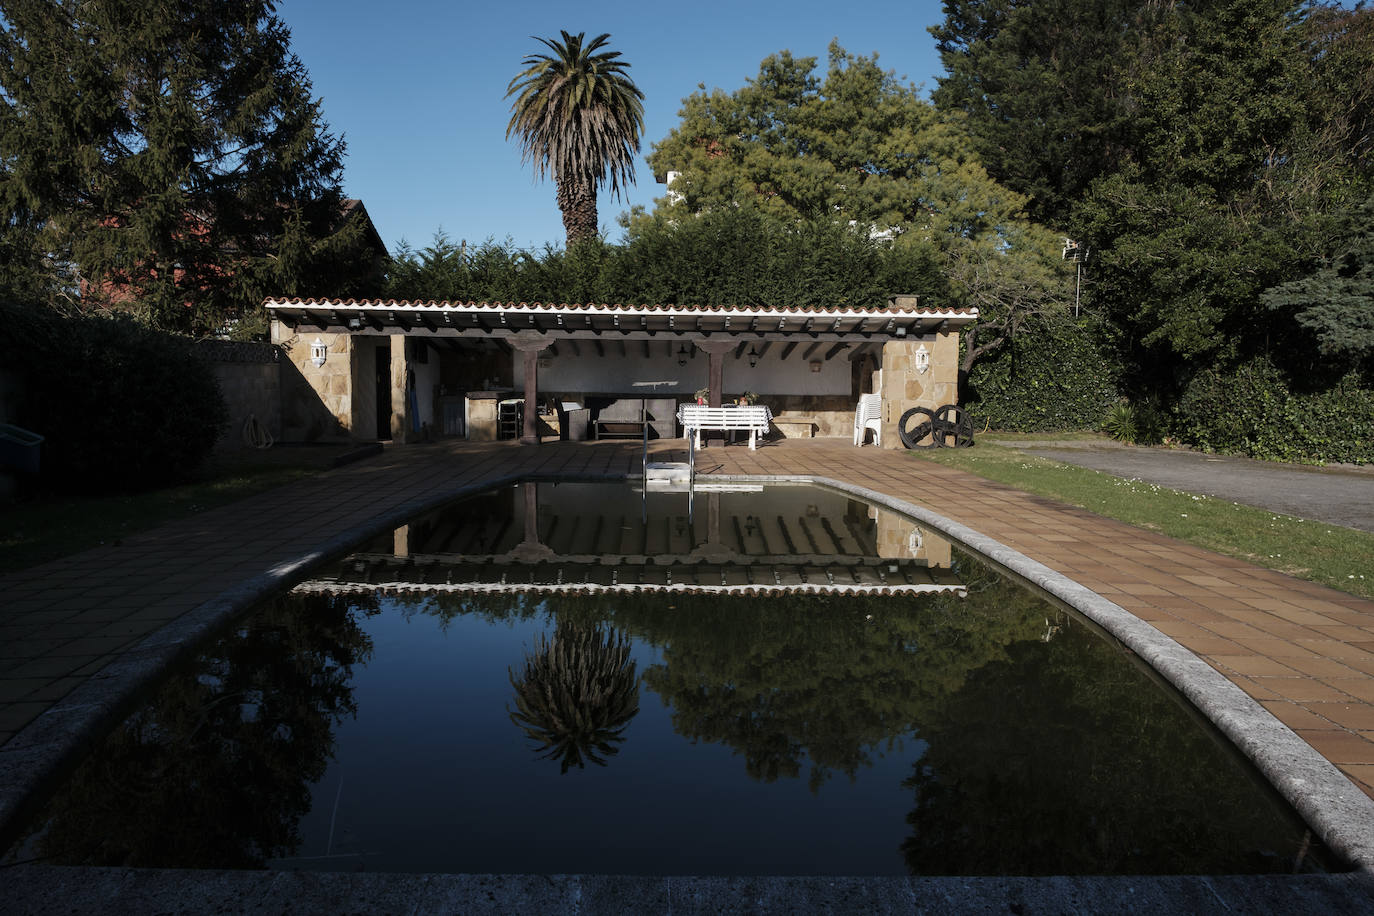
(753,356)
(816,365)
(319,352)
(682,355)
(922,358)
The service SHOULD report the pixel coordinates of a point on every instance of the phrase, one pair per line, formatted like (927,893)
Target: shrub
(1052,376)
(1252,410)
(121,407)
(1141,424)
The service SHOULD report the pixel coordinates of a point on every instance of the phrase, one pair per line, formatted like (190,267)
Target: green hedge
(1253,411)
(1052,376)
(121,407)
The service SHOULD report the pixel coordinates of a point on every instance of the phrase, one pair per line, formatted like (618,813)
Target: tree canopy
(860,147)
(184,183)
(1204,152)
(857,144)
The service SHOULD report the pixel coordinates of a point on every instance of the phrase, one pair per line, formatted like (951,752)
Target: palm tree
(579,116)
(577,694)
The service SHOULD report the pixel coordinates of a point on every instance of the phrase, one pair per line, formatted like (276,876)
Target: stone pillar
(400,394)
(899,538)
(529,344)
(904,386)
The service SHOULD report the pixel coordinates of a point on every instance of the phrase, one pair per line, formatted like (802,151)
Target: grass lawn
(42,529)
(1329,554)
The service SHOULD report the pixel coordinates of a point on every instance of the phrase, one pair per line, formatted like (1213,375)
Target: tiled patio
(1304,651)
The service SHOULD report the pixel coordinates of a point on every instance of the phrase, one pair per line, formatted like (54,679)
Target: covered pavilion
(407,370)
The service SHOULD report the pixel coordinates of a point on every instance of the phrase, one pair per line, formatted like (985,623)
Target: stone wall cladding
(834,414)
(316,401)
(904,387)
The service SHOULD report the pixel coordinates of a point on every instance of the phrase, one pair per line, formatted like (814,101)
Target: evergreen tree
(1231,189)
(1041,84)
(171,154)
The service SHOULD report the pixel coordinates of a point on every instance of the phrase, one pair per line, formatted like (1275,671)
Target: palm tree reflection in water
(576,694)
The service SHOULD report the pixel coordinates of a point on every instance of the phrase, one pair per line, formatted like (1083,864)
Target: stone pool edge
(1333,806)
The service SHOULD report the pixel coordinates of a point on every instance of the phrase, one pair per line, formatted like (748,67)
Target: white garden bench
(754,418)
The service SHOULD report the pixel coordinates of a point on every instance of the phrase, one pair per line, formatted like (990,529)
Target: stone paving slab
(46,889)
(1306,652)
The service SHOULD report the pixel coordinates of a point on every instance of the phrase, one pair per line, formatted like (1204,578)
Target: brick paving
(1304,651)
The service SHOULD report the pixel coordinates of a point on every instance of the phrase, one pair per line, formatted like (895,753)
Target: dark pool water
(869,701)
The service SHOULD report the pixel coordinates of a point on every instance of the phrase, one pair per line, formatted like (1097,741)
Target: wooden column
(715,374)
(529,344)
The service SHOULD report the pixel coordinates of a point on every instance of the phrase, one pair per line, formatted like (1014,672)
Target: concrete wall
(249,376)
(425,371)
(614,372)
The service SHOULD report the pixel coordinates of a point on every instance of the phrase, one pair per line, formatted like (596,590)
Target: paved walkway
(1304,651)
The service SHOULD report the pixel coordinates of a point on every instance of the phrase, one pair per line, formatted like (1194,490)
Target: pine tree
(170,154)
(1042,85)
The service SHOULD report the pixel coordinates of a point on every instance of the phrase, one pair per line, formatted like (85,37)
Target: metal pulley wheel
(917,428)
(953,427)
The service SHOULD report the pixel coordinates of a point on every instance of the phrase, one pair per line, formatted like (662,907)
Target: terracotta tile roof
(640,309)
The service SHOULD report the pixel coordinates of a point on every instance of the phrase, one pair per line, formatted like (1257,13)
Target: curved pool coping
(1332,805)
(42,753)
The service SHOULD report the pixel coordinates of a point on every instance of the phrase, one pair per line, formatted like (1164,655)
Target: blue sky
(417,89)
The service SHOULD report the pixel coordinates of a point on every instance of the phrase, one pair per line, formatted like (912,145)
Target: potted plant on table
(701,394)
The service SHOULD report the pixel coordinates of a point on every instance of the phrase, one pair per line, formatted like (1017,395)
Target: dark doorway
(384,392)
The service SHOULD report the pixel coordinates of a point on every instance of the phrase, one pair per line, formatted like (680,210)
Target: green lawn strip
(1329,554)
(42,531)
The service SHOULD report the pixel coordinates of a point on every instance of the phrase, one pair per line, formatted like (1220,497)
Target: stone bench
(797,427)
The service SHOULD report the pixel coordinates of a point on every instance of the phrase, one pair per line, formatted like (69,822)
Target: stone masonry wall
(903,387)
(316,401)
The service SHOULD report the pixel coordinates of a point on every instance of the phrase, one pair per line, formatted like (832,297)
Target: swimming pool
(790,681)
